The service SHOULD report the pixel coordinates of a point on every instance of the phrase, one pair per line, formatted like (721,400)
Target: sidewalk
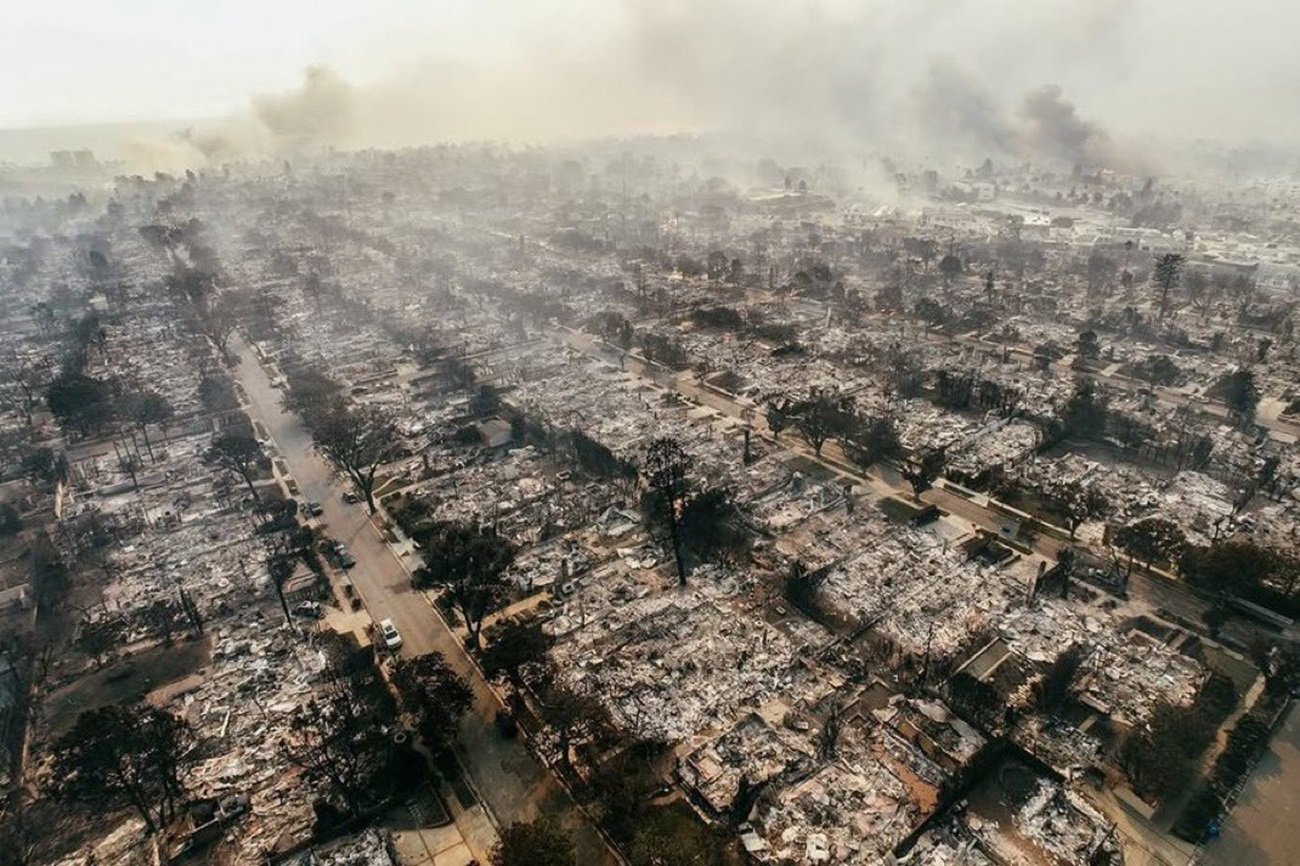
(1144,845)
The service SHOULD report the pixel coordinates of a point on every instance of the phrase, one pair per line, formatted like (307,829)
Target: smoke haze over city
(966,79)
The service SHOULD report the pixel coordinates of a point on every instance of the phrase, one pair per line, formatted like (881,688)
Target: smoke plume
(958,80)
(318,113)
(1054,128)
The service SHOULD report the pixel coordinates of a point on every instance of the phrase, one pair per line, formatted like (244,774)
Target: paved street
(513,783)
(1261,830)
(378,577)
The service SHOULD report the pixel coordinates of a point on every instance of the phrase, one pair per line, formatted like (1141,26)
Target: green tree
(1160,755)
(145,408)
(950,267)
(623,785)
(11,523)
(1155,756)
(1076,502)
(236,452)
(133,752)
(281,565)
(340,737)
(1229,567)
(821,417)
(1151,540)
(309,391)
(1168,271)
(1279,662)
(50,576)
(872,439)
(358,441)
(672,837)
(542,842)
(1084,414)
(435,695)
(777,415)
(469,563)
(1241,395)
(514,646)
(80,402)
(217,393)
(572,715)
(665,467)
(712,527)
(45,465)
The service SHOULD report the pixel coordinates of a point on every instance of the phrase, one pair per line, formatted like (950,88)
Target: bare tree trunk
(137,801)
(248,479)
(677,544)
(565,748)
(144,431)
(474,629)
(284,605)
(128,462)
(369,488)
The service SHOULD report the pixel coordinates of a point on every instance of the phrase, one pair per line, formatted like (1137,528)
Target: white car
(392,637)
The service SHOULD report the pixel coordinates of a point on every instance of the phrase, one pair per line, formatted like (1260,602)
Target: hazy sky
(78,61)
(535,68)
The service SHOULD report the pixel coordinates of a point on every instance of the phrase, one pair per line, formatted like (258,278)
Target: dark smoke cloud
(946,80)
(951,106)
(955,111)
(1056,130)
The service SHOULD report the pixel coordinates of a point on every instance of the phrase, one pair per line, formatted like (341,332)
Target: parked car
(346,559)
(350,593)
(315,509)
(309,609)
(391,637)
(351,498)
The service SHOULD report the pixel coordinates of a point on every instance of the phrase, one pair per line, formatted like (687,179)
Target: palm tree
(1169,269)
